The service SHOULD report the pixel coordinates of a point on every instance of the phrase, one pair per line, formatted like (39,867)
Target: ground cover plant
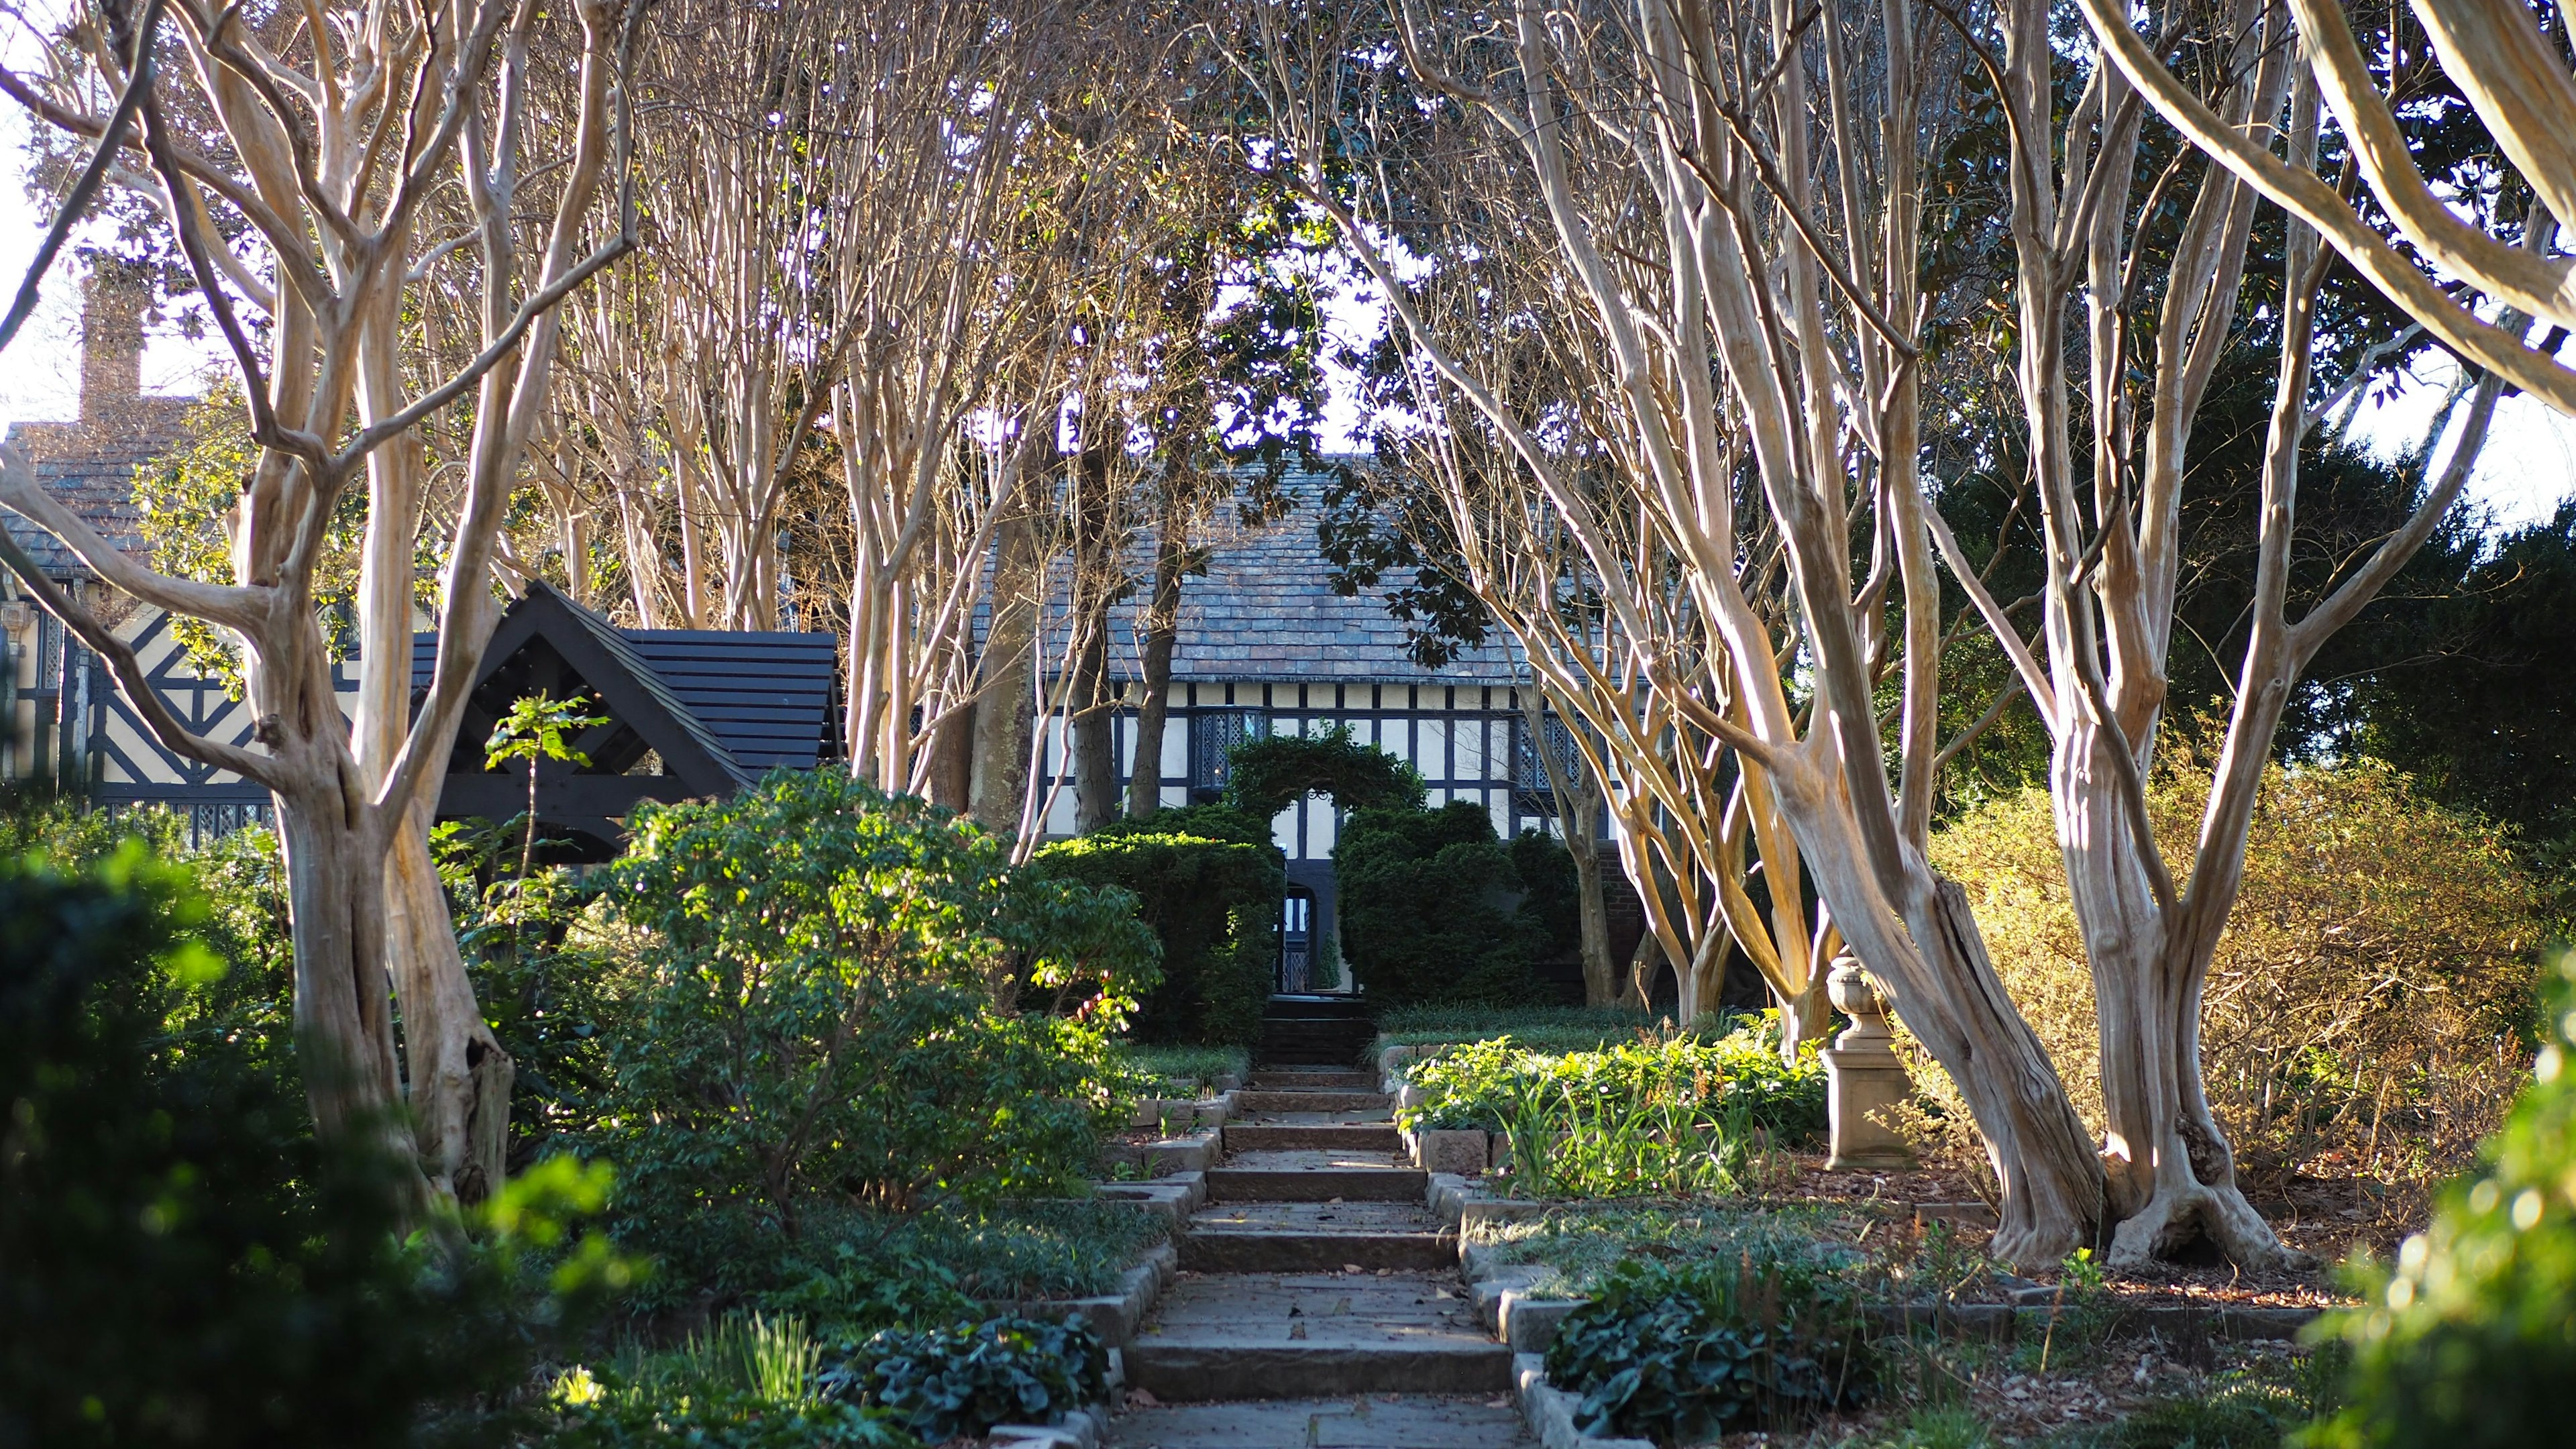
(747,1382)
(1663,1114)
(964,1378)
(1685,1353)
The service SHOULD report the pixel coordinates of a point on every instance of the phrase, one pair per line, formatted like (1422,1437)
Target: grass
(1578,1246)
(1181,1071)
(1538,1028)
(1056,1249)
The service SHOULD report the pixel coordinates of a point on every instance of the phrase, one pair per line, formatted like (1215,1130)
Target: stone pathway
(1319,1303)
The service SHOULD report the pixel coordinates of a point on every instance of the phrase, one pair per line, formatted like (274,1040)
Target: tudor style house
(1265,647)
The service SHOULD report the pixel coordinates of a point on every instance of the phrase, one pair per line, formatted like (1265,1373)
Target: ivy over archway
(1269,773)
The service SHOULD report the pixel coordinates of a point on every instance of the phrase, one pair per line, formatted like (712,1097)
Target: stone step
(1313,1136)
(1316,1005)
(1315,1335)
(1311,1237)
(1264,1099)
(1413,1421)
(1263,1182)
(1317,1079)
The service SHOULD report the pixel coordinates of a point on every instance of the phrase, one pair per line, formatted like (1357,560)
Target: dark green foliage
(1689,1353)
(1421,907)
(180,1261)
(965,1378)
(848,1000)
(1533,1028)
(2483,710)
(1551,909)
(1267,774)
(1209,882)
(2471,1341)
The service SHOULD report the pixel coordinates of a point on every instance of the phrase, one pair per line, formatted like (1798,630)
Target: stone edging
(1549,1410)
(1116,1317)
(1081,1429)
(1192,1151)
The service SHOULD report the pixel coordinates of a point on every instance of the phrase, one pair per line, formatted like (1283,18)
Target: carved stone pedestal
(1863,1077)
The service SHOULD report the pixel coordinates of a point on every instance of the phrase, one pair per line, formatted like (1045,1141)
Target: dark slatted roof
(1265,610)
(90,467)
(755,701)
(765,695)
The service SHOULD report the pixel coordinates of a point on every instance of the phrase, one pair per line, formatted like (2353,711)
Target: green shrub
(2471,1340)
(963,1379)
(1671,1115)
(1209,883)
(2379,947)
(1268,773)
(180,1260)
(1421,908)
(1485,1083)
(847,1000)
(1690,1353)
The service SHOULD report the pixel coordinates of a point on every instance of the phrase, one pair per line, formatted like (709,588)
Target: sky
(2529,464)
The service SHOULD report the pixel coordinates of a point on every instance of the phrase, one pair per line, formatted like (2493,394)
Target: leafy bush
(180,1260)
(833,1010)
(2376,960)
(1209,883)
(965,1378)
(2471,1341)
(1685,1354)
(1268,773)
(1670,1115)
(1482,1084)
(1421,907)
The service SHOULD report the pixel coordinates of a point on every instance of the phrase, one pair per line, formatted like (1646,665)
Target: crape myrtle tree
(330,174)
(1733,194)
(2504,62)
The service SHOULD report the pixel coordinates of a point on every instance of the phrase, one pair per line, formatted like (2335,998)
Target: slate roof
(92,470)
(1264,611)
(751,700)
(767,696)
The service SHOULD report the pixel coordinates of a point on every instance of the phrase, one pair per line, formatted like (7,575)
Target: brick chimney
(112,301)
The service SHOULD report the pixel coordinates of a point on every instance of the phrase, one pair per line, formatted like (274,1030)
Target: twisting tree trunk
(333,162)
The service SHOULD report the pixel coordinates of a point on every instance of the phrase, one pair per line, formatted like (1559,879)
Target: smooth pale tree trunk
(1600,972)
(1006,705)
(1095,712)
(1162,635)
(1096,581)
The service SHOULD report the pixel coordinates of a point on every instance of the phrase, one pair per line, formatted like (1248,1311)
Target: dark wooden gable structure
(690,714)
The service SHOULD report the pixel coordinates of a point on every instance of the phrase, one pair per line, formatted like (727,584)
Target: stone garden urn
(1864,1077)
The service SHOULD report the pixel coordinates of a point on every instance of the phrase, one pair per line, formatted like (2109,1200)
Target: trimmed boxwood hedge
(1210,884)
